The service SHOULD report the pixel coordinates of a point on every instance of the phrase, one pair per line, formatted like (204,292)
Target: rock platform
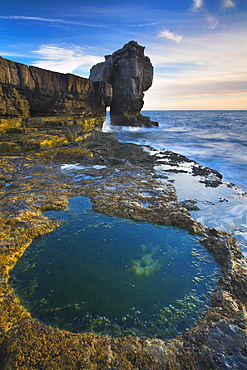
(121,178)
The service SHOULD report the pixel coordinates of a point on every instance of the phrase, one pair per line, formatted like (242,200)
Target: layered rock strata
(35,92)
(130,73)
(119,82)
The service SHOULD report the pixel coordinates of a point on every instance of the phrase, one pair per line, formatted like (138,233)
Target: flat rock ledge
(120,178)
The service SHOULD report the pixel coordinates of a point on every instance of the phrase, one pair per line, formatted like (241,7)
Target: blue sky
(198,47)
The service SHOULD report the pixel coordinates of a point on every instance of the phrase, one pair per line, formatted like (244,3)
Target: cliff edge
(119,82)
(35,92)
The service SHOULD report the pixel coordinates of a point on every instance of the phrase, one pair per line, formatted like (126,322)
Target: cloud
(212,21)
(197,4)
(65,59)
(144,24)
(170,35)
(49,20)
(226,4)
(200,69)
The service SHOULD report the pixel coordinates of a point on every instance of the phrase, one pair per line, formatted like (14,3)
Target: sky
(198,47)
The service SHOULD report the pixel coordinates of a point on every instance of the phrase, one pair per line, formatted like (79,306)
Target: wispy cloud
(50,20)
(191,74)
(65,59)
(197,4)
(212,21)
(170,35)
(227,4)
(144,24)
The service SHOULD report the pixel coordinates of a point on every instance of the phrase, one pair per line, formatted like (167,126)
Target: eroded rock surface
(130,73)
(31,91)
(34,181)
(119,82)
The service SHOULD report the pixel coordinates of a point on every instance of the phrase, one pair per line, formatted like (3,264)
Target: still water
(114,276)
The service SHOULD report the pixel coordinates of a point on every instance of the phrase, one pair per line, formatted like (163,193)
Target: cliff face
(31,91)
(130,73)
(16,87)
(119,82)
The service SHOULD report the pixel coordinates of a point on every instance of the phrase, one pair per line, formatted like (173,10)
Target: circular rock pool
(113,276)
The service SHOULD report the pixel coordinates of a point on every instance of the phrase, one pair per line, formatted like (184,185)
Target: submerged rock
(146,264)
(119,178)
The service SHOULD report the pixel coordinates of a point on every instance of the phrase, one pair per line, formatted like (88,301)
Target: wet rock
(169,161)
(118,178)
(190,205)
(135,120)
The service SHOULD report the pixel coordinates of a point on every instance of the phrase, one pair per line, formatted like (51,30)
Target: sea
(215,139)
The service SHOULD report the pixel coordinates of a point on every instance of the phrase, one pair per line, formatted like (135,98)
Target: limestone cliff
(130,73)
(119,82)
(31,91)
(16,87)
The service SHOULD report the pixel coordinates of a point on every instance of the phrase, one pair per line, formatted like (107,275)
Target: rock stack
(130,73)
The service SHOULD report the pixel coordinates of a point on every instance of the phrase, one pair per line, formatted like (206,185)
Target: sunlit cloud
(227,4)
(50,20)
(199,73)
(170,35)
(64,59)
(197,4)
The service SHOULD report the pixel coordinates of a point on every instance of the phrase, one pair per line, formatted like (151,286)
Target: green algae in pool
(113,276)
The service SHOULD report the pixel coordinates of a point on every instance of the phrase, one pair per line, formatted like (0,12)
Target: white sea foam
(98,167)
(72,167)
(77,167)
(184,166)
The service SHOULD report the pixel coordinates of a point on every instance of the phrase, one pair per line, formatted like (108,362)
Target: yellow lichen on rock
(33,182)
(52,143)
(10,123)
